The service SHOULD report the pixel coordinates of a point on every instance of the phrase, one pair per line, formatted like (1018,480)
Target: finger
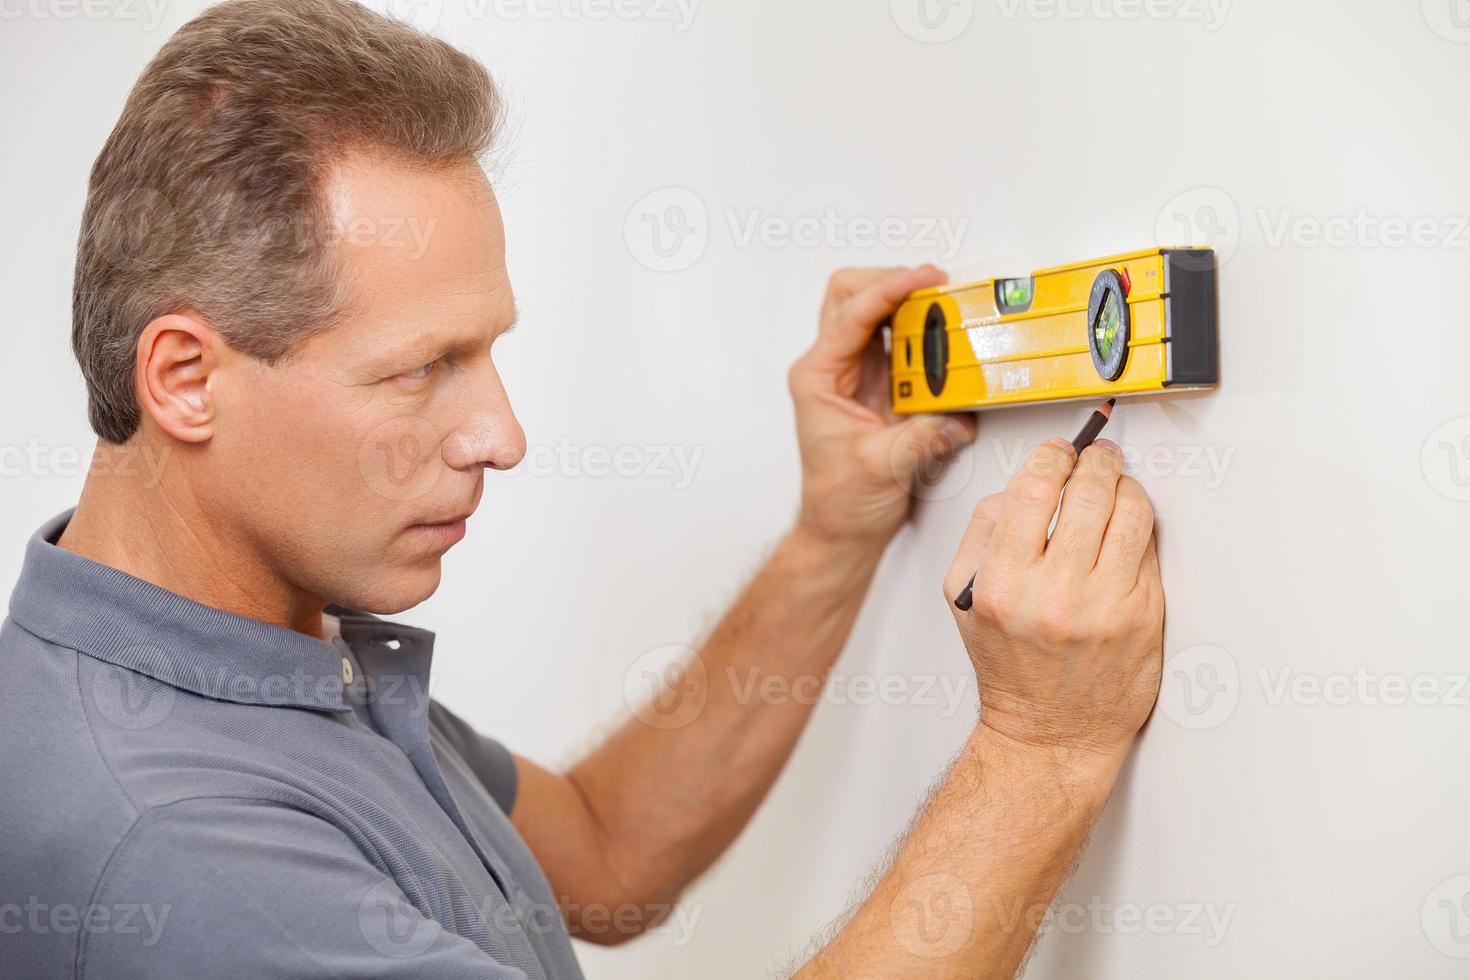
(1148,568)
(1029,502)
(977,537)
(844,282)
(1129,535)
(846,332)
(1087,504)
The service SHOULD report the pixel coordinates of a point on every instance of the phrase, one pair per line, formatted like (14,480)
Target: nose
(490,435)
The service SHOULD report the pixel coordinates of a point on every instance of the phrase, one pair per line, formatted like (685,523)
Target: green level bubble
(1109,322)
(1015,292)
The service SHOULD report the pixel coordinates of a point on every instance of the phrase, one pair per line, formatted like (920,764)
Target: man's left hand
(859,460)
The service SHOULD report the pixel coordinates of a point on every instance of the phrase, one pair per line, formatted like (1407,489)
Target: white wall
(1313,519)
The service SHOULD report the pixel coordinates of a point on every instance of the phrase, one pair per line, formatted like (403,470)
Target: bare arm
(659,800)
(646,812)
(1066,637)
(967,889)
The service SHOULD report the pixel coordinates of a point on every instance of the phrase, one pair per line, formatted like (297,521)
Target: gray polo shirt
(189,793)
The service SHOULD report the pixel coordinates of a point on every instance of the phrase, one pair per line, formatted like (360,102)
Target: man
(210,734)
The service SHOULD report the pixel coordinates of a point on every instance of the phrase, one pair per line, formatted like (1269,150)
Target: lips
(452,519)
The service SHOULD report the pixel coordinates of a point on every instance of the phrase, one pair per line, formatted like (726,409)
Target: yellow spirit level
(1128,324)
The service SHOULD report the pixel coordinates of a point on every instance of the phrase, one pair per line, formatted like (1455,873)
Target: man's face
(352,464)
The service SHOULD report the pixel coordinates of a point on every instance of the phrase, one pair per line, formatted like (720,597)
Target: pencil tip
(1112,402)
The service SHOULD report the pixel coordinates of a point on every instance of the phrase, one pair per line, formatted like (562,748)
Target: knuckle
(796,376)
(1091,497)
(1102,457)
(1050,460)
(840,281)
(1033,489)
(988,508)
(1133,509)
(1131,490)
(991,605)
(1057,625)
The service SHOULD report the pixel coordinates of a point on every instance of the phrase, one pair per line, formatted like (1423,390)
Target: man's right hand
(1066,634)
(1066,630)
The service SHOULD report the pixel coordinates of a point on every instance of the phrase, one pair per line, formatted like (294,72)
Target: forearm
(968,886)
(669,800)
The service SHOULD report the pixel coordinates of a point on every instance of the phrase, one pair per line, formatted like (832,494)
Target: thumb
(921,445)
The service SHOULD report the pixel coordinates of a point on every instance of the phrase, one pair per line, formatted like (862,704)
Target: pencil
(1085,438)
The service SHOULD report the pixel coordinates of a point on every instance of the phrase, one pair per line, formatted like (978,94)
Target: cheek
(393,450)
(296,441)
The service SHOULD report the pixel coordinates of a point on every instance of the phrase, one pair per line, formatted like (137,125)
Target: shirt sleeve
(490,761)
(234,888)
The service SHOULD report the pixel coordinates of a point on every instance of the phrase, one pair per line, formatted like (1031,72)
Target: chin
(393,592)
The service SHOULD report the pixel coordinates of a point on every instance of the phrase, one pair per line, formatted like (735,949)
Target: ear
(178,361)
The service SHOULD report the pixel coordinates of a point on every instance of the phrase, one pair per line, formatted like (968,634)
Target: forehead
(417,245)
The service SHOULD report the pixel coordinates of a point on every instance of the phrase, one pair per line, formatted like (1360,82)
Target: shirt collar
(112,616)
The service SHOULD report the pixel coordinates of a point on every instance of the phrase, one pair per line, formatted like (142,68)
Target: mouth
(444,533)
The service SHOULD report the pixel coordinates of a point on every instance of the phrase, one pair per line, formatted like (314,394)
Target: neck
(154,528)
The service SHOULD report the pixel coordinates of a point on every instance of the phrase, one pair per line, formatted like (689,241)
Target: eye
(419,373)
